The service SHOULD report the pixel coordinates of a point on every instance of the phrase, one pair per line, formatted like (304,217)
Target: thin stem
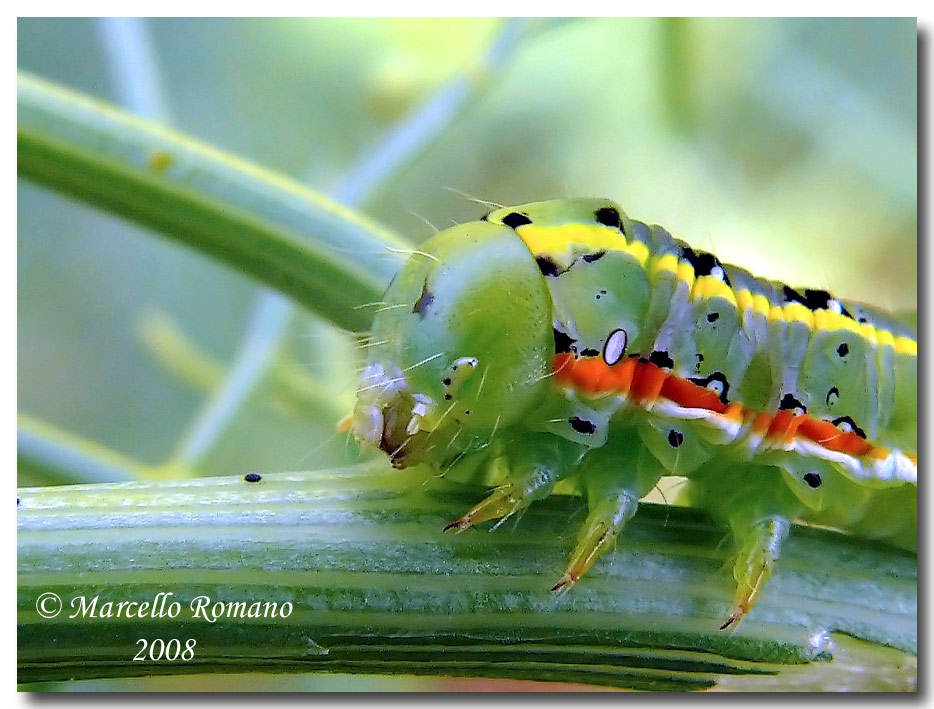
(255,353)
(178,353)
(676,79)
(294,381)
(133,67)
(412,135)
(64,458)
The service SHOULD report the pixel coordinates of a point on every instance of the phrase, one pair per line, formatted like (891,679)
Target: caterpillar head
(462,347)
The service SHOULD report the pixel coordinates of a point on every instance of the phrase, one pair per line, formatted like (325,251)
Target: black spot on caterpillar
(789,403)
(812,479)
(548,267)
(563,342)
(845,423)
(608,216)
(584,426)
(822,300)
(661,359)
(252,477)
(675,438)
(704,264)
(516,219)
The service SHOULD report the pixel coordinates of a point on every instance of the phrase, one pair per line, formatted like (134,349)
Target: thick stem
(375,587)
(275,230)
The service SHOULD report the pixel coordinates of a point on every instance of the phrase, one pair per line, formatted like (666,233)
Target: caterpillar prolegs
(564,340)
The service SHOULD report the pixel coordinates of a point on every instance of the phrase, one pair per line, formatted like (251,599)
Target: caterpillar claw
(741,609)
(734,616)
(458,525)
(606,519)
(760,549)
(565,583)
(502,503)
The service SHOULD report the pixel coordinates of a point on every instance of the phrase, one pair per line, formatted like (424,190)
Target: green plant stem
(376,587)
(262,341)
(50,452)
(293,240)
(174,350)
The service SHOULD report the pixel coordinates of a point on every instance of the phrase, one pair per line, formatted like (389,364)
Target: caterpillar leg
(504,502)
(604,523)
(536,464)
(758,506)
(759,548)
(615,481)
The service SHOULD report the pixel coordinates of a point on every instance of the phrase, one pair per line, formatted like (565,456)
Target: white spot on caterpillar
(715,386)
(835,306)
(615,347)
(457,372)
(419,409)
(717,272)
(464,362)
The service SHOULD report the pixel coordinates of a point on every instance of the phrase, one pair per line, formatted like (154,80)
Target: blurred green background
(785,146)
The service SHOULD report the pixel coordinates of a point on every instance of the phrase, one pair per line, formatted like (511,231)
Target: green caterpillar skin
(564,341)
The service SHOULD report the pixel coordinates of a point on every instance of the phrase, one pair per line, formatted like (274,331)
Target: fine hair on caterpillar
(563,341)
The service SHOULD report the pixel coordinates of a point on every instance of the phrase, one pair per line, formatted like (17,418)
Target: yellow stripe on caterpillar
(905,345)
(706,287)
(797,313)
(565,241)
(562,240)
(686,273)
(668,262)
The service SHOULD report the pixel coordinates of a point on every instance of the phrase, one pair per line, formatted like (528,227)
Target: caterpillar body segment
(563,340)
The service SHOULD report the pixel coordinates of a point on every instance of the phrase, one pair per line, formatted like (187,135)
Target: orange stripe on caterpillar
(645,382)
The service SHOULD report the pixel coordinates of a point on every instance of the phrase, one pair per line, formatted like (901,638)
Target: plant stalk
(375,587)
(282,234)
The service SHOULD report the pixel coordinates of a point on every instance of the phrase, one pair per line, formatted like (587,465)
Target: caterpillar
(562,340)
